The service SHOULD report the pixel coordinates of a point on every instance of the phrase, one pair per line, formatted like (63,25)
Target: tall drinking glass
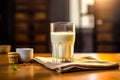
(62,39)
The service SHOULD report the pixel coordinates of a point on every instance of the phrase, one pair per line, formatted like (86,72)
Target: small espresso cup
(25,54)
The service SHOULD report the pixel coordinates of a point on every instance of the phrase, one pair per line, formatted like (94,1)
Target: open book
(81,64)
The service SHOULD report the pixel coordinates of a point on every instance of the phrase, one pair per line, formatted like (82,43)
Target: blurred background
(26,23)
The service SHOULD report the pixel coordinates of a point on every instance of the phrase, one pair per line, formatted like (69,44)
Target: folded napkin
(83,63)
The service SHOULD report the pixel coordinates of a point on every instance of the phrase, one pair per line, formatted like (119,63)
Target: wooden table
(35,71)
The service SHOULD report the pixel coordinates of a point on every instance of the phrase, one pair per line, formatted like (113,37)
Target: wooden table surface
(35,71)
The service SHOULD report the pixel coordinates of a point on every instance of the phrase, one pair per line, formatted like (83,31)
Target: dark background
(104,37)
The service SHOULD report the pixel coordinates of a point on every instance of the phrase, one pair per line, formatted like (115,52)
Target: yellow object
(113,57)
(13,57)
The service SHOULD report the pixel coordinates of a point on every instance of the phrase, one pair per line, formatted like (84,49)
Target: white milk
(62,45)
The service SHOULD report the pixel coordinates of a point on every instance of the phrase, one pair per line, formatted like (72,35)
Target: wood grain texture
(35,71)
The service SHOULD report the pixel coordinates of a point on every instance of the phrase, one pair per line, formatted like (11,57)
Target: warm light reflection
(90,2)
(74,11)
(87,21)
(79,13)
(113,57)
(93,77)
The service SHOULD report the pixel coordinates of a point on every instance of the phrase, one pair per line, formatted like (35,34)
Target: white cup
(25,54)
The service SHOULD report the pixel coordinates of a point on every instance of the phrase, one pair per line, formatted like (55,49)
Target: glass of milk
(62,40)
